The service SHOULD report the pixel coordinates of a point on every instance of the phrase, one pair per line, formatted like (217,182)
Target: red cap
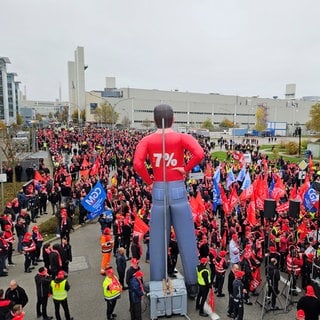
(60,275)
(106,230)
(239,274)
(222,253)
(35,228)
(139,274)
(134,261)
(272,249)
(7,227)
(9,204)
(310,291)
(204,260)
(235,236)
(109,271)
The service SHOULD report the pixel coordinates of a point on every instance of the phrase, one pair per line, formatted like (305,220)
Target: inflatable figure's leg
(157,238)
(182,221)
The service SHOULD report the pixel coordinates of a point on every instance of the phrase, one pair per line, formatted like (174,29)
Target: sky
(236,47)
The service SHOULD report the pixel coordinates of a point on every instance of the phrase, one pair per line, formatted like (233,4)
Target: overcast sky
(237,47)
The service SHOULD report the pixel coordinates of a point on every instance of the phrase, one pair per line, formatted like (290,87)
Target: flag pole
(164,200)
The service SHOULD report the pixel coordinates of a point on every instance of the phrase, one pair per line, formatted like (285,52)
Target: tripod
(289,291)
(268,290)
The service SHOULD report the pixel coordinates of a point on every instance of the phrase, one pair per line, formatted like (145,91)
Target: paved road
(86,298)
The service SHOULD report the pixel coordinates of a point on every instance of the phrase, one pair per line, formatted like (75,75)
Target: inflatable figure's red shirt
(175,145)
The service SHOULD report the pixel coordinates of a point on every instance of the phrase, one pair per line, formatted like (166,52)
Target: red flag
(260,192)
(283,207)
(251,213)
(38,176)
(194,205)
(84,173)
(233,198)
(225,202)
(310,166)
(211,300)
(140,226)
(85,164)
(303,188)
(279,189)
(95,168)
(201,207)
(293,193)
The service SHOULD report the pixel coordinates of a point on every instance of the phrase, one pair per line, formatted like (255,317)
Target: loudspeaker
(269,208)
(294,209)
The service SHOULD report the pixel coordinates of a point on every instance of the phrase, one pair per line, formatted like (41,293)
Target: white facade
(192,109)
(76,80)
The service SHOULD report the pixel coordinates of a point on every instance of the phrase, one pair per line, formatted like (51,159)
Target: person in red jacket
(29,249)
(172,156)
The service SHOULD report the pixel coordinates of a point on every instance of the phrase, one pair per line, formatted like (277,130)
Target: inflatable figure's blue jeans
(179,215)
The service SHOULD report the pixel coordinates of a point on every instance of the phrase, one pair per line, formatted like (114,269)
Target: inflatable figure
(172,156)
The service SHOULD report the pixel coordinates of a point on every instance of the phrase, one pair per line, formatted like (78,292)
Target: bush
(49,228)
(292,148)
(282,145)
(304,144)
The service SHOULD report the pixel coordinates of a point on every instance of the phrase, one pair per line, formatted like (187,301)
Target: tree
(38,117)
(261,117)
(126,122)
(105,113)
(50,115)
(226,123)
(19,119)
(147,123)
(314,123)
(207,124)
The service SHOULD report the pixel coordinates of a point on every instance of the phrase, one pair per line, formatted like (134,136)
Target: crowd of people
(237,238)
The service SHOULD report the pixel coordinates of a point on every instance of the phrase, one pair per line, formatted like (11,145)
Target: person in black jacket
(42,280)
(231,278)
(310,304)
(5,305)
(55,260)
(136,294)
(273,278)
(16,294)
(204,284)
(66,254)
(129,274)
(136,248)
(121,266)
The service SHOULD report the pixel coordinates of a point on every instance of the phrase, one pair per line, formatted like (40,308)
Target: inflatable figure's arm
(192,145)
(139,159)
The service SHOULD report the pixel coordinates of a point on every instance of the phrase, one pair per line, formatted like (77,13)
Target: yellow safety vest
(58,290)
(110,294)
(200,277)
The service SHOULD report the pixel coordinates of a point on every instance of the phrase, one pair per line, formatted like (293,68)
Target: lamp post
(79,112)
(113,107)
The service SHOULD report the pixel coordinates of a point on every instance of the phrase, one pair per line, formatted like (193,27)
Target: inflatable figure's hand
(180,169)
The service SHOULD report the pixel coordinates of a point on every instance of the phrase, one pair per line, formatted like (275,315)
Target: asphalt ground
(86,295)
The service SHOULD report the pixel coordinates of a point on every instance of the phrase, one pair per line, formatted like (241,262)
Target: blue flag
(94,201)
(246,182)
(216,190)
(310,200)
(271,187)
(241,174)
(230,178)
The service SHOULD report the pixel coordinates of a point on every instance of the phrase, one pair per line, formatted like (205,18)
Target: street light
(113,107)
